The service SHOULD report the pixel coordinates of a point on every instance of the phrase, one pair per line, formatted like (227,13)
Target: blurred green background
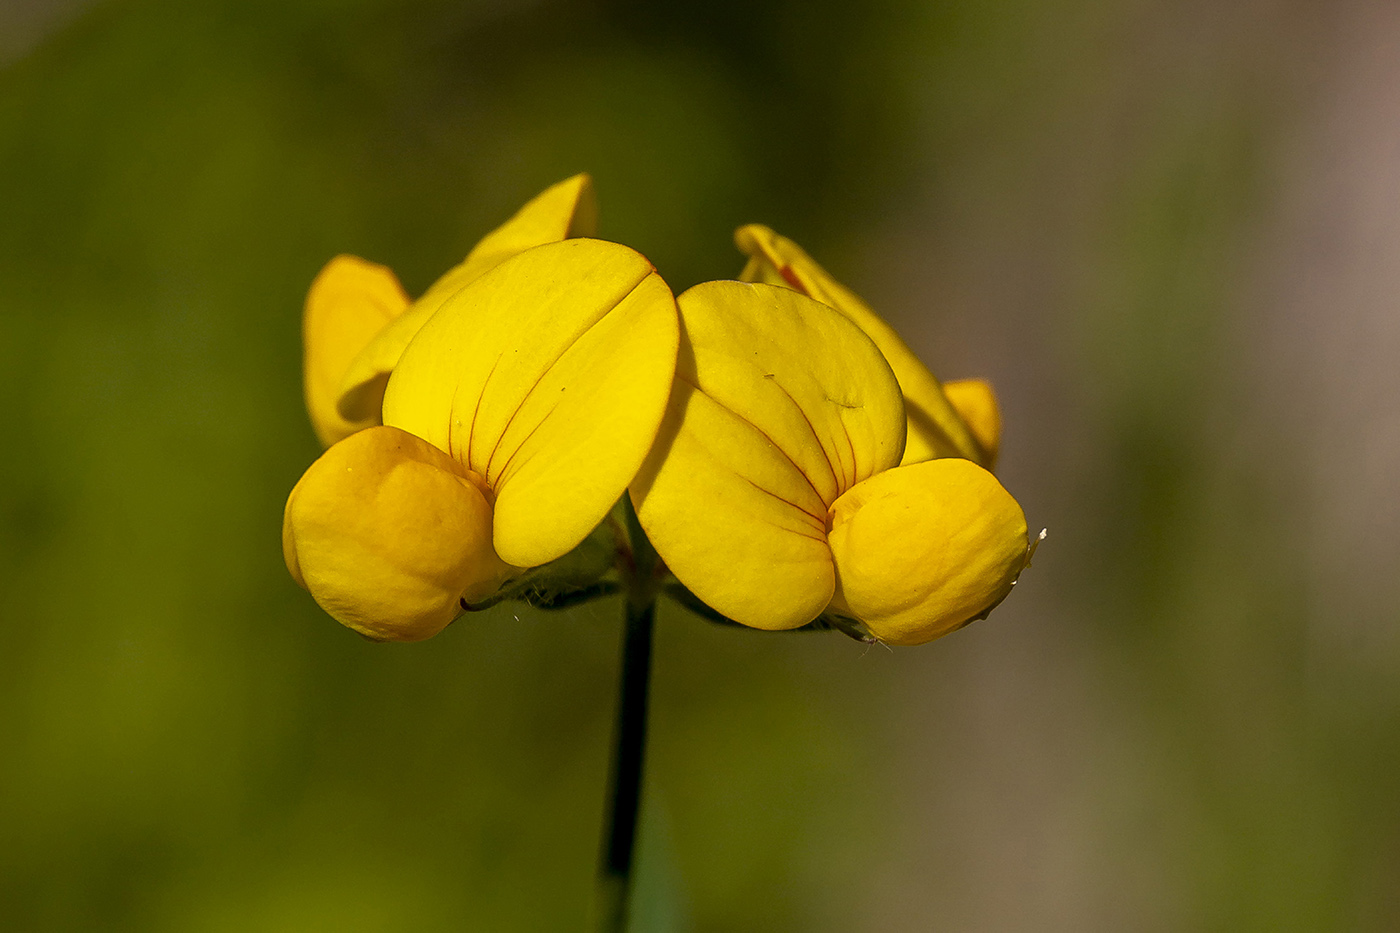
(1166,230)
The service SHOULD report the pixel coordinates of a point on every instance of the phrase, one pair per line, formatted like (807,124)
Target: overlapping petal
(923,549)
(548,377)
(935,427)
(567,209)
(780,406)
(388,533)
(976,402)
(350,301)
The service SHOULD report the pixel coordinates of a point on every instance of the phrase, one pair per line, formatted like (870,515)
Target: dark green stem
(619,843)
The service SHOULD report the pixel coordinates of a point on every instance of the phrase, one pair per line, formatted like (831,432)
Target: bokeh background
(1168,231)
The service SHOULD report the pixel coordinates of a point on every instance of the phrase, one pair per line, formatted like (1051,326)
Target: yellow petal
(780,405)
(548,376)
(713,501)
(926,548)
(349,302)
(935,429)
(388,533)
(976,402)
(567,209)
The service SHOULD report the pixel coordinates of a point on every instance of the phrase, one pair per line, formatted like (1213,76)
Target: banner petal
(780,405)
(548,376)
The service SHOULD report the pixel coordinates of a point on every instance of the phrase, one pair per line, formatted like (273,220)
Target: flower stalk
(629,739)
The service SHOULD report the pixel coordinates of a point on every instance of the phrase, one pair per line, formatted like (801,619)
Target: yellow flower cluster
(787,454)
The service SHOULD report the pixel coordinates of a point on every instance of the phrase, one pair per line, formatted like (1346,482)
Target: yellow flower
(775,491)
(358,320)
(954,419)
(513,420)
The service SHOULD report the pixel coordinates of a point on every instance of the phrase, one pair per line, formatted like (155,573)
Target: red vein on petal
(451,423)
(501,477)
(799,508)
(836,481)
(855,472)
(481,394)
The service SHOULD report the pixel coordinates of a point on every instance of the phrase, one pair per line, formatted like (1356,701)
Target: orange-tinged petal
(350,301)
(976,402)
(567,209)
(935,428)
(388,533)
(924,549)
(548,376)
(780,405)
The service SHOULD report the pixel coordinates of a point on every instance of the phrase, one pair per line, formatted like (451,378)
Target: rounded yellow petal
(780,405)
(976,402)
(935,428)
(388,533)
(567,209)
(733,518)
(548,376)
(349,302)
(924,549)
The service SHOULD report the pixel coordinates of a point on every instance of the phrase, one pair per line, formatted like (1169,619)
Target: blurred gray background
(1168,232)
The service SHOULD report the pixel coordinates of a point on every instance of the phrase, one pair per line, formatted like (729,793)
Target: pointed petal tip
(748,237)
